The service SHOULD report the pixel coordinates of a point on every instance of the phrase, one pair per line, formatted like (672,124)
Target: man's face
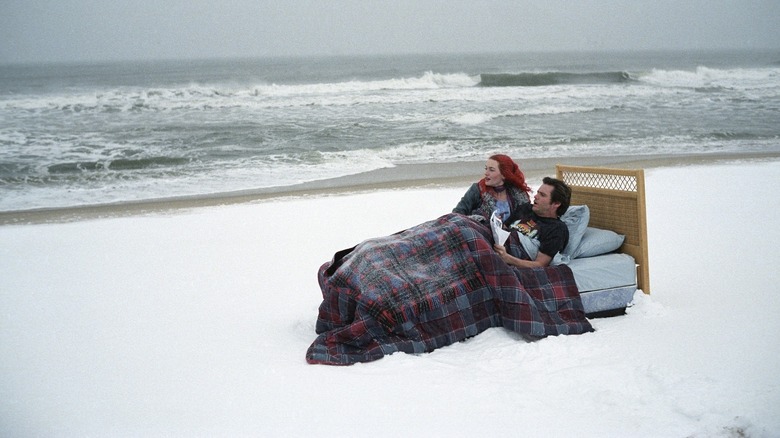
(543,205)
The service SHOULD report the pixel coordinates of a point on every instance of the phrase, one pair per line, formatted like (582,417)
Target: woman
(503,189)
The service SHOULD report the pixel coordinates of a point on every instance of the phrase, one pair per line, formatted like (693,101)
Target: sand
(447,175)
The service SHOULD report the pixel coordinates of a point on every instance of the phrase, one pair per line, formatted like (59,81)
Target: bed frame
(616,200)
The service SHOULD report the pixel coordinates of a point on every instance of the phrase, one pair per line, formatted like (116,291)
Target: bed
(615,199)
(442,282)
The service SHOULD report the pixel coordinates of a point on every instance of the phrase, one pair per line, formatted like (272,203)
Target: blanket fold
(430,286)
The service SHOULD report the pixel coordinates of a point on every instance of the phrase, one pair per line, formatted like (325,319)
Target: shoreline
(428,175)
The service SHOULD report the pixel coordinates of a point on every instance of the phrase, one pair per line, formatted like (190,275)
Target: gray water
(85,134)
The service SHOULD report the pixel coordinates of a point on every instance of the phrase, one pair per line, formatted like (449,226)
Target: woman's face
(493,177)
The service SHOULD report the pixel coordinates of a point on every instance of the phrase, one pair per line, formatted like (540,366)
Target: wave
(475,118)
(412,89)
(705,79)
(701,79)
(552,78)
(731,136)
(198,96)
(117,164)
(427,81)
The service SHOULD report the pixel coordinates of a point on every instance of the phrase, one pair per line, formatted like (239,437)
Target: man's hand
(505,256)
(541,261)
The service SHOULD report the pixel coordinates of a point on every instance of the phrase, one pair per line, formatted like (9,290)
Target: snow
(196,323)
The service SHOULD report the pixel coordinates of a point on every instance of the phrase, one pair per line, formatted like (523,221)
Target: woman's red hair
(510,171)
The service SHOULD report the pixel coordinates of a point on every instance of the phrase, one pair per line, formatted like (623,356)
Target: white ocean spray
(86,134)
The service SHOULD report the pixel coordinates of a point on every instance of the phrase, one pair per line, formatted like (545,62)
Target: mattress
(606,282)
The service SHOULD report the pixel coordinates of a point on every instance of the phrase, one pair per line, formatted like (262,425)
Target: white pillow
(576,219)
(596,241)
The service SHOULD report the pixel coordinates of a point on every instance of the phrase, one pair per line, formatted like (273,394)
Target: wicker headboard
(616,200)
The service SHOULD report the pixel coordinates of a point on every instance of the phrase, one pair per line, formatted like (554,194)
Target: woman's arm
(469,202)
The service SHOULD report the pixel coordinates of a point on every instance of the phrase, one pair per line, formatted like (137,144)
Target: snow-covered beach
(195,322)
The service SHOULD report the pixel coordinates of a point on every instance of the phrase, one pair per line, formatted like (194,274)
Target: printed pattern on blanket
(430,286)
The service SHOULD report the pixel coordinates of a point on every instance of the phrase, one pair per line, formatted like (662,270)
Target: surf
(552,78)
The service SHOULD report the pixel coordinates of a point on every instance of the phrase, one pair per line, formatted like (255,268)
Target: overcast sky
(90,30)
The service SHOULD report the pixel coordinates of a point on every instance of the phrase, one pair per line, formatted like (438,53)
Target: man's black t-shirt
(552,233)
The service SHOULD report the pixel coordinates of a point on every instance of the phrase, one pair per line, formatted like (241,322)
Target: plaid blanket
(433,285)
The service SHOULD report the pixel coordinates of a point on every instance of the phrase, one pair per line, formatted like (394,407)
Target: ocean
(84,134)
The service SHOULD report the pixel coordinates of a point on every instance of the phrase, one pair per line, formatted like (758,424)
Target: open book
(499,233)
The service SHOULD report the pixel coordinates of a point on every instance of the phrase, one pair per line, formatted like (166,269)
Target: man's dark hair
(561,193)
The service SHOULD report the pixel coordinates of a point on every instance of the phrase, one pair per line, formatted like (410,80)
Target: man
(540,221)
